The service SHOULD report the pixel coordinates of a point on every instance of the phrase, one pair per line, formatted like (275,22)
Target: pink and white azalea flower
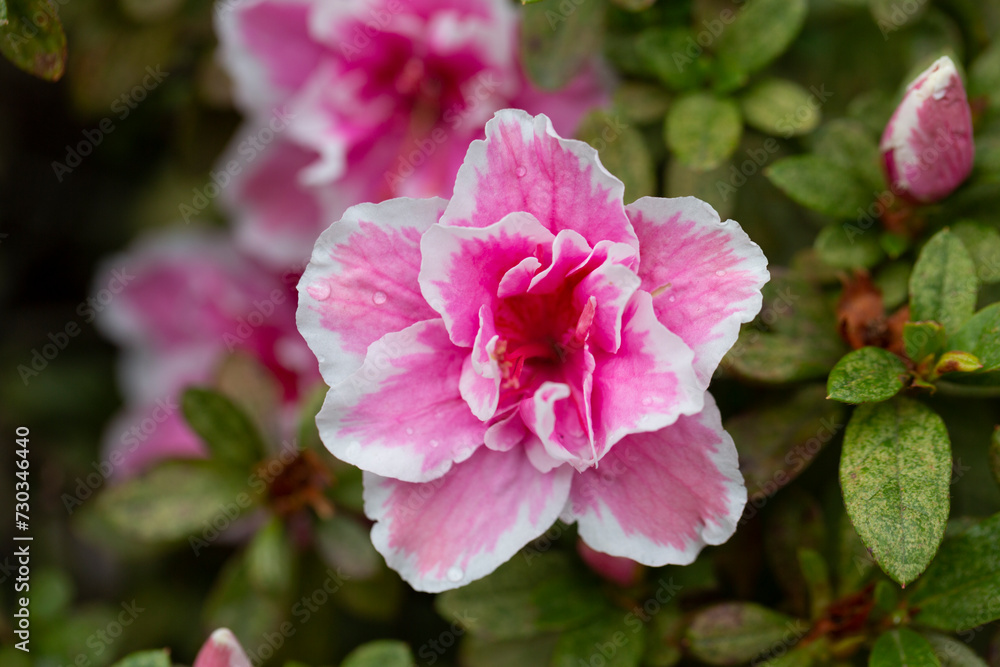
(384,95)
(531,350)
(178,305)
(222,650)
(927,146)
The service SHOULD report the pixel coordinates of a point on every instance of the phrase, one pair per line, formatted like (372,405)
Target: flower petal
(648,383)
(401,415)
(277,218)
(461,268)
(361,282)
(705,275)
(523,165)
(460,527)
(222,650)
(659,497)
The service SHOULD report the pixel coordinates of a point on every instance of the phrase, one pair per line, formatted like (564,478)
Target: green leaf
(557,40)
(781,108)
(608,636)
(995,454)
(819,185)
(664,642)
(662,50)
(984,75)
(923,339)
(951,652)
(3,13)
(642,102)
(868,375)
(225,429)
(961,589)
(957,362)
(33,38)
(981,337)
(736,632)
(176,500)
(622,150)
(530,594)
(233,603)
(762,31)
(381,653)
(776,443)
(634,5)
(902,648)
(983,243)
(838,249)
(894,281)
(342,542)
(943,285)
(712,186)
(817,577)
(848,144)
(271,559)
(703,130)
(895,472)
(512,653)
(159,658)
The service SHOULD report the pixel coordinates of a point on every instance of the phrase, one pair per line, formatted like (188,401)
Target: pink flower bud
(927,145)
(622,571)
(222,650)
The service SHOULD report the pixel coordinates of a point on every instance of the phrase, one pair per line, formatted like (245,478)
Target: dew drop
(378,298)
(319,291)
(720,273)
(409,431)
(520,171)
(671,299)
(434,443)
(647,401)
(455,574)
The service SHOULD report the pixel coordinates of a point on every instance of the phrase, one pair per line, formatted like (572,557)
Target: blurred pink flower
(504,359)
(222,650)
(186,302)
(622,571)
(927,146)
(384,95)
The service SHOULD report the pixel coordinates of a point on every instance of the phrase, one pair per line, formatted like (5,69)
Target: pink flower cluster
(531,350)
(372,99)
(384,97)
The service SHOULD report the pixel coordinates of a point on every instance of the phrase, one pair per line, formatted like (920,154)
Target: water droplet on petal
(671,299)
(378,298)
(409,431)
(520,171)
(434,443)
(720,273)
(647,401)
(319,291)
(455,574)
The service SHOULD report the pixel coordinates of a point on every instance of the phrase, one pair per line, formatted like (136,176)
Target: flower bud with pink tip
(222,650)
(927,146)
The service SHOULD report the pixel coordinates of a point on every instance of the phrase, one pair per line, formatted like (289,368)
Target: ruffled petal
(659,497)
(523,165)
(648,383)
(451,531)
(401,414)
(361,282)
(704,275)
